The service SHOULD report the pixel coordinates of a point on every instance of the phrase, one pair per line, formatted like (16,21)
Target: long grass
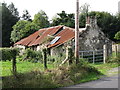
(54,78)
(22,67)
(32,76)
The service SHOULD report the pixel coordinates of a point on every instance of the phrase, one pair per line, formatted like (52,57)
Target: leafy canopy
(10,16)
(23,29)
(117,35)
(41,19)
(63,19)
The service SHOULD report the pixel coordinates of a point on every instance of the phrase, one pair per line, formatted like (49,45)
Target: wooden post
(115,50)
(45,58)
(93,56)
(82,54)
(105,55)
(70,55)
(14,65)
(14,68)
(77,32)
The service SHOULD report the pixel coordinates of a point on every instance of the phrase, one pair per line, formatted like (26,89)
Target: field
(22,67)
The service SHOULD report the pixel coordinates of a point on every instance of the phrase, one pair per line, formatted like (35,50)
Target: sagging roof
(30,39)
(64,33)
(48,31)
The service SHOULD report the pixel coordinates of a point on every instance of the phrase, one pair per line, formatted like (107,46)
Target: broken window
(55,40)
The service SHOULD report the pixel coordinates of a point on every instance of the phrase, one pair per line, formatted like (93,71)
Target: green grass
(58,77)
(32,76)
(103,68)
(22,67)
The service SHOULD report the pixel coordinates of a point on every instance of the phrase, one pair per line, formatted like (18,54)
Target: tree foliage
(23,29)
(41,19)
(13,10)
(26,15)
(117,35)
(84,9)
(9,18)
(64,19)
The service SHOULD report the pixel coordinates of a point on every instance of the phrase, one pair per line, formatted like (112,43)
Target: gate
(92,55)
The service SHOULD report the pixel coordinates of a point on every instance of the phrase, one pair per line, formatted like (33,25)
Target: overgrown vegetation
(31,75)
(22,67)
(31,55)
(8,53)
(114,58)
(59,77)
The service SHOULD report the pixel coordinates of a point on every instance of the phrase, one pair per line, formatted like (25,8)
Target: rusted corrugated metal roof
(38,37)
(66,34)
(30,39)
(20,42)
(49,31)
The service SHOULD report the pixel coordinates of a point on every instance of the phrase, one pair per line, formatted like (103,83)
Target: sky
(52,7)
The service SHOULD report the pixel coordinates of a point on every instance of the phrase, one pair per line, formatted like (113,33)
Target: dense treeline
(10,16)
(15,27)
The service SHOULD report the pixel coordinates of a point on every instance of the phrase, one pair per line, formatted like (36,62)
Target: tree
(82,20)
(64,19)
(0,24)
(13,10)
(26,15)
(84,9)
(9,18)
(117,35)
(41,19)
(23,29)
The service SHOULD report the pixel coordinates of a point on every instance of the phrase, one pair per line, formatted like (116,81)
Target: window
(55,40)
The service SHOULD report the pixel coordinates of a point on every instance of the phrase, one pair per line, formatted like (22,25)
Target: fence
(93,55)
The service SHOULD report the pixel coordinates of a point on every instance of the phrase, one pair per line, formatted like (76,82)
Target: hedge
(8,53)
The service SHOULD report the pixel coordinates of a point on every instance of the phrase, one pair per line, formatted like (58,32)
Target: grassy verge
(54,78)
(22,67)
(57,77)
(104,68)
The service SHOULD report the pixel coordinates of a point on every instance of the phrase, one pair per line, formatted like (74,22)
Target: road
(110,81)
(106,82)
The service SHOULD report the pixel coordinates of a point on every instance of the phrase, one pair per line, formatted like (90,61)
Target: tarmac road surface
(110,81)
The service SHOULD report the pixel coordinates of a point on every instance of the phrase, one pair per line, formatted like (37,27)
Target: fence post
(105,53)
(82,54)
(115,50)
(45,58)
(14,68)
(14,65)
(93,56)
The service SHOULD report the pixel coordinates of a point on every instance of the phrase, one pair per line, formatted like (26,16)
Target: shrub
(114,59)
(33,56)
(8,53)
(56,59)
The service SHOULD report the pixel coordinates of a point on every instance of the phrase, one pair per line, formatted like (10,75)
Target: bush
(33,56)
(56,59)
(114,59)
(8,53)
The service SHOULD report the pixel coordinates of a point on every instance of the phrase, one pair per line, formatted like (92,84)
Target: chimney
(93,22)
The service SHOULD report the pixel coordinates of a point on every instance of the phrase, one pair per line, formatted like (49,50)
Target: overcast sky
(51,7)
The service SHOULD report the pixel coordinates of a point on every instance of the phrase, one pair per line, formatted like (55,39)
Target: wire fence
(92,55)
